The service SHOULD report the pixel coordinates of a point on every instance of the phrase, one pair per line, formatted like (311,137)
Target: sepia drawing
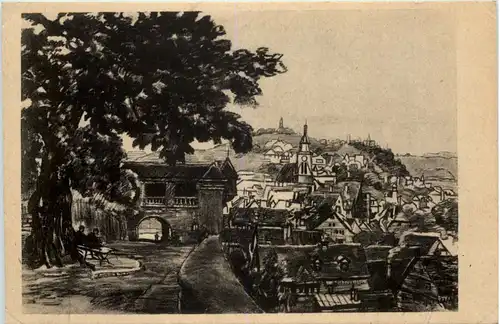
(230,162)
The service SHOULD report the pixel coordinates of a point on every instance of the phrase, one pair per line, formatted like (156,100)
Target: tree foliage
(267,284)
(384,158)
(446,214)
(163,79)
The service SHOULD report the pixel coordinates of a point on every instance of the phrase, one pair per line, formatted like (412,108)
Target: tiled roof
(424,242)
(273,217)
(443,271)
(377,253)
(335,300)
(334,254)
(400,259)
(330,258)
(288,173)
(180,171)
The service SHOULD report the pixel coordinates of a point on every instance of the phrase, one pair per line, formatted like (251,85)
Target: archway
(153,228)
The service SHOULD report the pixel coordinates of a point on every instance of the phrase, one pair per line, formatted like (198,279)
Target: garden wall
(208,284)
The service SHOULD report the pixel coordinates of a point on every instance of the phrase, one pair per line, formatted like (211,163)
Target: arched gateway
(153,228)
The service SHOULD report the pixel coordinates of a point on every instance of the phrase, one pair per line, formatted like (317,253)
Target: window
(186,189)
(155,189)
(194,226)
(303,167)
(342,262)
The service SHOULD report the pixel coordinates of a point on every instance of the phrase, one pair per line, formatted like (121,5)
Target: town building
(330,277)
(184,196)
(307,170)
(423,273)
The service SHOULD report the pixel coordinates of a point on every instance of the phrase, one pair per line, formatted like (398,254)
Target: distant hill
(442,154)
(438,166)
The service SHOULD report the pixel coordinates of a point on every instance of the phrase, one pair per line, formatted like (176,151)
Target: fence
(112,226)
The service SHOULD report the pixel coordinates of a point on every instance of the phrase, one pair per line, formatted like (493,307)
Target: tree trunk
(50,207)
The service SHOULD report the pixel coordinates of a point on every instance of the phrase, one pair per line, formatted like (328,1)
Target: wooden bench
(102,254)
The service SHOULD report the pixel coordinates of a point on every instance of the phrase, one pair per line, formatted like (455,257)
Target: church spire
(281,123)
(305,138)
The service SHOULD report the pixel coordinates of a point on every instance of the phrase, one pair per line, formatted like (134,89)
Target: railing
(154,201)
(185,201)
(177,201)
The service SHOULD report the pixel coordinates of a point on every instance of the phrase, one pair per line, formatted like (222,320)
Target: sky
(387,73)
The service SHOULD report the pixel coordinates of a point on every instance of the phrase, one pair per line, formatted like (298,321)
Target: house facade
(184,197)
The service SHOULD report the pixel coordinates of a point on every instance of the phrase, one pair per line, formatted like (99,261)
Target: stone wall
(209,285)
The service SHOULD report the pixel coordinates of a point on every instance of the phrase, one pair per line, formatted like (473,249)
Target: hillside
(432,166)
(440,166)
(261,139)
(248,162)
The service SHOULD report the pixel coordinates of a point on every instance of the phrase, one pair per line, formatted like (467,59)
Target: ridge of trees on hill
(384,158)
(284,130)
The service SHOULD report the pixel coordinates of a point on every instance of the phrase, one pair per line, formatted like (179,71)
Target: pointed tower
(281,123)
(304,159)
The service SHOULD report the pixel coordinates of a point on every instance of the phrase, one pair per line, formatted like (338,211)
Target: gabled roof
(164,171)
(228,169)
(241,216)
(443,272)
(428,243)
(288,173)
(273,217)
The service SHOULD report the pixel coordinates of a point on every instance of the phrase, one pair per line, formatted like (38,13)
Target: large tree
(163,79)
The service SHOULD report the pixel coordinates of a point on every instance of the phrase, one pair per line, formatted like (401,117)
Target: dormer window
(317,265)
(342,262)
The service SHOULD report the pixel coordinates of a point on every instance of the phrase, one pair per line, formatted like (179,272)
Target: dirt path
(152,290)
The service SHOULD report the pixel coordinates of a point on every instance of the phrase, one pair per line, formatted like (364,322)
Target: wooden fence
(111,225)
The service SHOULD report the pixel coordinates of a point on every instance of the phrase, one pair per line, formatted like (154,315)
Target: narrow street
(153,289)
